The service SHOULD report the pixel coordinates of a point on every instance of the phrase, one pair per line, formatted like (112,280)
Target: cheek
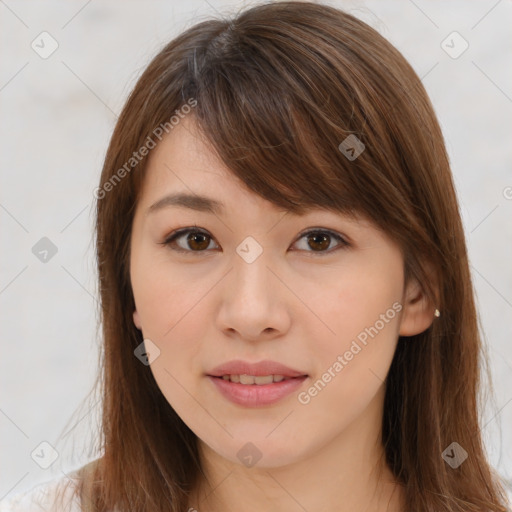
(361,314)
(163,295)
(352,364)
(357,301)
(172,315)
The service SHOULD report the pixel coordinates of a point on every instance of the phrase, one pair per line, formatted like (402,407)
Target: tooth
(251,379)
(246,379)
(265,379)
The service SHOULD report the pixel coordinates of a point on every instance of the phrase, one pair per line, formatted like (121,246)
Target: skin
(294,305)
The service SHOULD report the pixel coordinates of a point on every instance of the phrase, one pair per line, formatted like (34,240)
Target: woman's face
(252,285)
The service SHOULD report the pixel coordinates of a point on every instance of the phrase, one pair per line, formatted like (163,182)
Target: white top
(46,497)
(50,496)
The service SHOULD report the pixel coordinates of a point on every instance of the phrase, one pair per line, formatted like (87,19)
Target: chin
(258,451)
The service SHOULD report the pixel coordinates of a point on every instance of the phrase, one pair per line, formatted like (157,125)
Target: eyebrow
(192,201)
(206,204)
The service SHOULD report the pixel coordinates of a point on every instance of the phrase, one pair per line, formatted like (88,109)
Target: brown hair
(277,89)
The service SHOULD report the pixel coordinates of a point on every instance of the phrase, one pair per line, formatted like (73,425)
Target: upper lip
(266,367)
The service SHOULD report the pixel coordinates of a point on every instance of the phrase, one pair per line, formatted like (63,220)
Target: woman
(287,308)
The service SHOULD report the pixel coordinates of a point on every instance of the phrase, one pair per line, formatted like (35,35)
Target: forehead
(185,157)
(186,144)
(184,171)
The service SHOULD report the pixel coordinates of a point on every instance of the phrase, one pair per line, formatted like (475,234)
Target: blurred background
(66,69)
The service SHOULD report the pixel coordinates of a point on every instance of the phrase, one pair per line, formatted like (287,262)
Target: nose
(254,302)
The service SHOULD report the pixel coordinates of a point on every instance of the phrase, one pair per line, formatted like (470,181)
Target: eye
(320,240)
(198,240)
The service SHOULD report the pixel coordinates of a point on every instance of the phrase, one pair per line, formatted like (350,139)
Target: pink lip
(254,395)
(266,367)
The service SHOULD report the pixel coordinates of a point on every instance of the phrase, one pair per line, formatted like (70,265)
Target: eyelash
(172,237)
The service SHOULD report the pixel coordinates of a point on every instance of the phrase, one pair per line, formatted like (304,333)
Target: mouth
(255,380)
(256,390)
(247,372)
(255,384)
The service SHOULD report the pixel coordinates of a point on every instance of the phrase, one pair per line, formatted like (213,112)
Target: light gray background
(57,115)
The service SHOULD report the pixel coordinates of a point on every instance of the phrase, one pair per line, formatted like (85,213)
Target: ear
(418,311)
(136,320)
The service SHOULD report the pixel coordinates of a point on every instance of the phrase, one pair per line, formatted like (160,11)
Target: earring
(437,313)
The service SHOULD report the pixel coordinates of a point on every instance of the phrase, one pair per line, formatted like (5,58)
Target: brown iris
(321,241)
(198,241)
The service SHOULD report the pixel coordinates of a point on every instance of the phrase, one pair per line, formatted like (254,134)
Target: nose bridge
(251,303)
(251,274)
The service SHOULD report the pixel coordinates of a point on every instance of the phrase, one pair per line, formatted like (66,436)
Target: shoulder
(54,495)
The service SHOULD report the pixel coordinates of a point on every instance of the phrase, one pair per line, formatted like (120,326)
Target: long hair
(276,90)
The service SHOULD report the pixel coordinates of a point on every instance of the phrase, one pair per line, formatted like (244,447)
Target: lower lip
(254,395)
